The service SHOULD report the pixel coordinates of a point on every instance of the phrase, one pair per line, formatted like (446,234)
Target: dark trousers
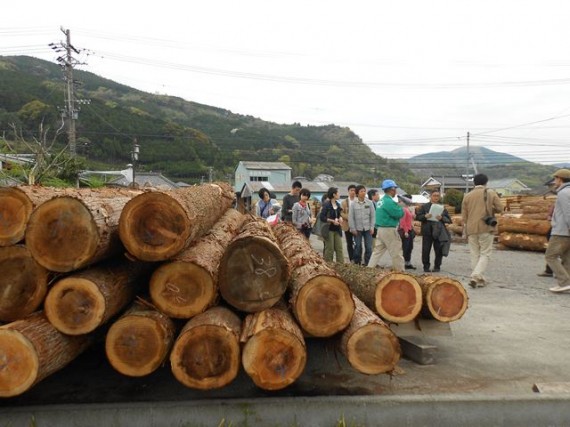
(427,243)
(358,239)
(349,244)
(407,245)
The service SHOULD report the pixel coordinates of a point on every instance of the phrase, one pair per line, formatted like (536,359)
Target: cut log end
(373,349)
(19,363)
(15,210)
(206,357)
(23,283)
(135,346)
(398,297)
(62,235)
(182,290)
(253,274)
(446,300)
(154,227)
(274,359)
(75,306)
(324,306)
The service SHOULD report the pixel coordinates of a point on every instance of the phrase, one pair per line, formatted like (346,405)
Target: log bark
(368,343)
(140,341)
(16,206)
(206,354)
(444,299)
(72,231)
(396,297)
(275,354)
(189,284)
(155,226)
(535,208)
(320,299)
(254,272)
(455,229)
(527,242)
(80,303)
(32,349)
(541,215)
(23,283)
(523,225)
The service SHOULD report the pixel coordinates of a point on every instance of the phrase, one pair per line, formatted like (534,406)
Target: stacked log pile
(129,266)
(526,223)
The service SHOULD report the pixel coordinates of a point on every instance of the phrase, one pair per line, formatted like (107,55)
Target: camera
(490,220)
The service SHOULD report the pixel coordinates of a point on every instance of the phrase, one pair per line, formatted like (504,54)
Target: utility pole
(135,158)
(70,111)
(467,170)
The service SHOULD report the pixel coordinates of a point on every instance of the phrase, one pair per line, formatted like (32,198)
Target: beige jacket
(473,210)
(345,205)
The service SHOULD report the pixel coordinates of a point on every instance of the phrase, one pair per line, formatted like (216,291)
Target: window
(259,178)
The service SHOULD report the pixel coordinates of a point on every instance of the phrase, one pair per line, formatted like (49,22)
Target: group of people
(373,225)
(295,208)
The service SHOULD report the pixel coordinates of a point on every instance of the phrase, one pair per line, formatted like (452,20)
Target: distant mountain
(562,165)
(494,164)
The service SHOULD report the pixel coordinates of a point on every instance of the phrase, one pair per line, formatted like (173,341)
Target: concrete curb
(414,411)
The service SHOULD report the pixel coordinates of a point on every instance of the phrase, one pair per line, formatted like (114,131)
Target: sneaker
(436,270)
(560,288)
(426,270)
(410,267)
(545,274)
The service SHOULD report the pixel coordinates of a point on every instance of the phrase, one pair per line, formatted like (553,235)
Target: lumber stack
(126,265)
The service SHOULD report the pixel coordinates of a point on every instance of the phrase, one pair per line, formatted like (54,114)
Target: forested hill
(182,139)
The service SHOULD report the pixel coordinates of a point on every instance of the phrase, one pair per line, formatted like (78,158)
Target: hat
(562,173)
(388,183)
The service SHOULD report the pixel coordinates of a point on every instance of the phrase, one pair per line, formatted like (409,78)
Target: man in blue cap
(388,214)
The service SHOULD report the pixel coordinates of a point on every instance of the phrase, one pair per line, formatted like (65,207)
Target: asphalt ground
(514,337)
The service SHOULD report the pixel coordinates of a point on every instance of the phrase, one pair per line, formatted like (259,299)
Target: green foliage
(181,139)
(454,198)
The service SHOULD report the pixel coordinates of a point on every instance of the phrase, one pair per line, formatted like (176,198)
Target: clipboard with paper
(435,210)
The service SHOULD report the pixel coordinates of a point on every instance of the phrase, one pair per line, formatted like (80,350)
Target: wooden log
(455,229)
(523,225)
(320,299)
(254,272)
(155,226)
(527,242)
(140,341)
(444,299)
(188,284)
(32,349)
(206,354)
(72,231)
(540,215)
(536,208)
(16,206)
(80,303)
(368,343)
(23,283)
(274,355)
(395,296)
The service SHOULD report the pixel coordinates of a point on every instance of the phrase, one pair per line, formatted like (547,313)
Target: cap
(562,173)
(388,183)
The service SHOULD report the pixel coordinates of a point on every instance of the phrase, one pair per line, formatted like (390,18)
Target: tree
(454,198)
(48,163)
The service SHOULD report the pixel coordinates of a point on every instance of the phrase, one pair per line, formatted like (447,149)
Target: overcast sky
(408,77)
